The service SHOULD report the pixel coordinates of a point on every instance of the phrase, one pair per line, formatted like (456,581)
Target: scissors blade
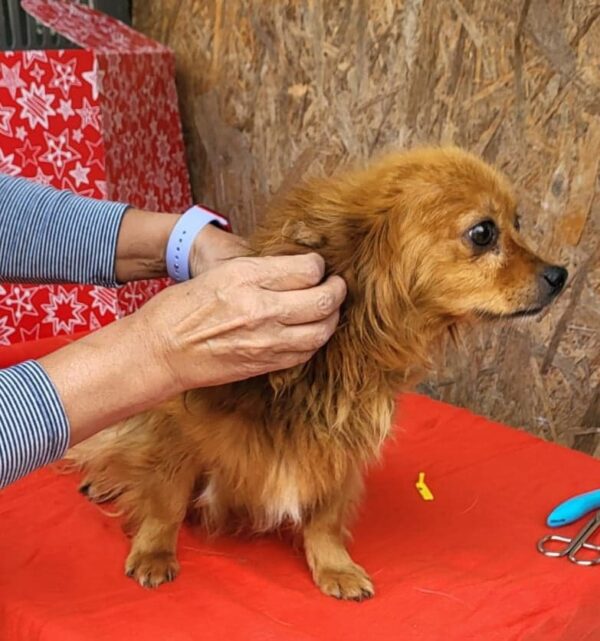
(581,541)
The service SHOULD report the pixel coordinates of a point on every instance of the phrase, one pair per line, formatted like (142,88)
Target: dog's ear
(297,231)
(289,237)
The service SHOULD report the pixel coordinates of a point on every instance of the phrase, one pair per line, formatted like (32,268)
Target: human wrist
(157,350)
(142,244)
(185,238)
(207,248)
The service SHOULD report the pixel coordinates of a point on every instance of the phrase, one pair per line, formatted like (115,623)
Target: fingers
(269,347)
(285,273)
(301,342)
(310,305)
(257,346)
(309,337)
(289,359)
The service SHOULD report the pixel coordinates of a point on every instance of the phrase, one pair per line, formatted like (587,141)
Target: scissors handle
(572,546)
(568,549)
(574,558)
(590,560)
(554,538)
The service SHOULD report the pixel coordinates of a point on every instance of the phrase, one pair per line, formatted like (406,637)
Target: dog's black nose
(555,277)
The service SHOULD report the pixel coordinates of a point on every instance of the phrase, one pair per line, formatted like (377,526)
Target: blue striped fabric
(33,425)
(46,236)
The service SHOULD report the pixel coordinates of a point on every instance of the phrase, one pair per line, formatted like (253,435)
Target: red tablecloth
(461,567)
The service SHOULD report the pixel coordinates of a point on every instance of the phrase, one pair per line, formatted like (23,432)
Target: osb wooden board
(273,89)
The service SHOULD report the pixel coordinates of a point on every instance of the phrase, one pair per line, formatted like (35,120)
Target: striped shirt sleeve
(47,235)
(34,429)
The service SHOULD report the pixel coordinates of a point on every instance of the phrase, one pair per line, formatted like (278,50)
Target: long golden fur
(291,447)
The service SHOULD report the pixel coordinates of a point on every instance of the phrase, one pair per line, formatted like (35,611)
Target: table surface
(463,566)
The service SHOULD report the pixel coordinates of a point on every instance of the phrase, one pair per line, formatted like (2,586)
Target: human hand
(214,245)
(243,318)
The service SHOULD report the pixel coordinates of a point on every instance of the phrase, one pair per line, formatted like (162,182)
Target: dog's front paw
(348,582)
(152,568)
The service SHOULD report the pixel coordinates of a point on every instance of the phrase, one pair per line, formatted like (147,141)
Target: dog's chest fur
(275,469)
(276,502)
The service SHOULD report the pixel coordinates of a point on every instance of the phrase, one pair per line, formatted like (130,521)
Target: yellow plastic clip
(424,491)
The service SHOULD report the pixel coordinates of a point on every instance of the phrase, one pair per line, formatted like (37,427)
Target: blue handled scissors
(569,512)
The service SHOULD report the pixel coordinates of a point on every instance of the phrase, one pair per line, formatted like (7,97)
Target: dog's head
(453,231)
(437,229)
(424,239)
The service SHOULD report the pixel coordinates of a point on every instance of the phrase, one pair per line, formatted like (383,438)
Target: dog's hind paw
(349,582)
(152,568)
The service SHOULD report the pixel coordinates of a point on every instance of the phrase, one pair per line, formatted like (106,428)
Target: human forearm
(108,376)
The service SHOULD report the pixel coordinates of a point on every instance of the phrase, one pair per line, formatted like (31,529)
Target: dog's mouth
(520,313)
(525,312)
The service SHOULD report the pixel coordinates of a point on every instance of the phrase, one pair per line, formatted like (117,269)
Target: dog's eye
(483,234)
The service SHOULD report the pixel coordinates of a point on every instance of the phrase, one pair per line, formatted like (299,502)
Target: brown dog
(424,240)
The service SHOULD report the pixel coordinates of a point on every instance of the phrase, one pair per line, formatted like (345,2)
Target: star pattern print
(64,311)
(104,301)
(11,78)
(30,57)
(7,166)
(65,109)
(94,78)
(70,185)
(66,120)
(6,114)
(42,178)
(19,302)
(80,175)
(36,106)
(29,153)
(63,76)
(5,331)
(89,115)
(38,73)
(59,152)
(32,334)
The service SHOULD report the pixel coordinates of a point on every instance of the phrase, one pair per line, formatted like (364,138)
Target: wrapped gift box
(102,121)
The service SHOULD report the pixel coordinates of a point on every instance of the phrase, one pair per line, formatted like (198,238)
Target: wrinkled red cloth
(461,567)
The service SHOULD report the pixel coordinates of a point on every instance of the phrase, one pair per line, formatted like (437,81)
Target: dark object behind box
(18,30)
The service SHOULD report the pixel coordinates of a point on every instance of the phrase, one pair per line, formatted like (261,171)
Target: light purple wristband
(182,238)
